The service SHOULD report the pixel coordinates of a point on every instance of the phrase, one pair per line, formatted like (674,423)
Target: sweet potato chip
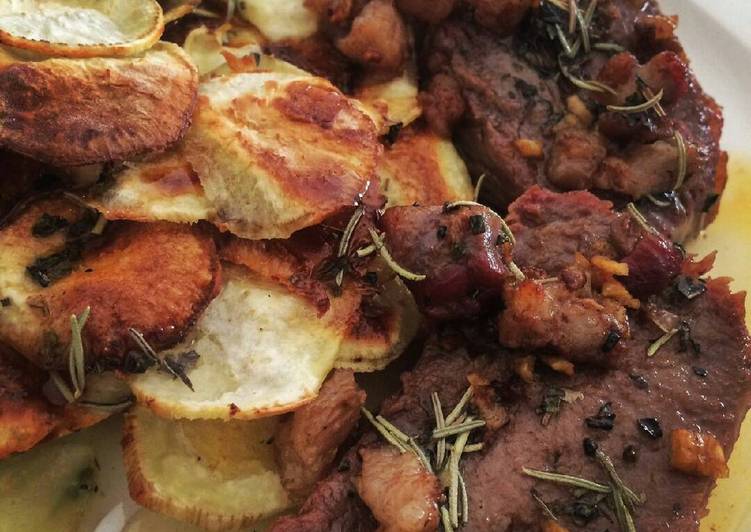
(157,278)
(214,474)
(71,112)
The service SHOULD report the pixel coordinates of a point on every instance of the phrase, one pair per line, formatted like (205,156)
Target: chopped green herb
(661,341)
(48,225)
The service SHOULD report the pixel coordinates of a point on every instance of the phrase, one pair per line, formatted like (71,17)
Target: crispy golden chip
(176,9)
(421,167)
(263,351)
(161,188)
(71,112)
(279,152)
(157,278)
(26,416)
(382,332)
(393,101)
(81,28)
(281,19)
(214,474)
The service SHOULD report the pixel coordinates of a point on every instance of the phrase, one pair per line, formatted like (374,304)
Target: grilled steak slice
(521,122)
(551,228)
(705,388)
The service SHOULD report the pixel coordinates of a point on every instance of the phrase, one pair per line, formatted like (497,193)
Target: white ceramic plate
(717,36)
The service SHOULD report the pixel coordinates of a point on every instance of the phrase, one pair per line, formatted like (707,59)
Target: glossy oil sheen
(730,235)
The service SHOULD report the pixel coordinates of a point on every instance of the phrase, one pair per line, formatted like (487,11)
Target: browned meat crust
(74,112)
(307,442)
(460,250)
(400,492)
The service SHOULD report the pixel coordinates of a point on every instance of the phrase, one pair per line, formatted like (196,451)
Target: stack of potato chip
(187,264)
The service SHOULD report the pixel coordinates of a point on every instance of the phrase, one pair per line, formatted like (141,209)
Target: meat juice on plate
(730,235)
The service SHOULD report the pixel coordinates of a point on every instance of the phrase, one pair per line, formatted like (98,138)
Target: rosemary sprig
(392,429)
(607,464)
(459,408)
(387,435)
(641,108)
(346,238)
(400,270)
(567,480)
(567,49)
(660,342)
(465,497)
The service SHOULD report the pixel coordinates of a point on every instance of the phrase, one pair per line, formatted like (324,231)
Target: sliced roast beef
(520,120)
(699,385)
(551,228)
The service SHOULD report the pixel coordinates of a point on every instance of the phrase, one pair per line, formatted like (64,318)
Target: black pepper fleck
(441,233)
(630,453)
(650,426)
(477,224)
(371,278)
(6,302)
(611,341)
(604,420)
(700,372)
(590,447)
(393,133)
(639,381)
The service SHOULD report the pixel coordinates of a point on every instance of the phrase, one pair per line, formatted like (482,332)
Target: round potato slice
(73,112)
(156,278)
(262,351)
(81,28)
(214,474)
(371,342)
(278,152)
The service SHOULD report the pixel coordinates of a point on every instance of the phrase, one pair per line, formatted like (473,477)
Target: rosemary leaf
(346,238)
(393,429)
(516,271)
(460,429)
(446,520)
(478,187)
(642,107)
(459,408)
(62,387)
(381,247)
(657,202)
(367,250)
(640,219)
(440,422)
(607,464)
(608,47)
(107,407)
(680,143)
(661,341)
(383,431)
(564,42)
(567,480)
(584,31)
(456,454)
(625,521)
(590,85)
(465,499)
(421,456)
